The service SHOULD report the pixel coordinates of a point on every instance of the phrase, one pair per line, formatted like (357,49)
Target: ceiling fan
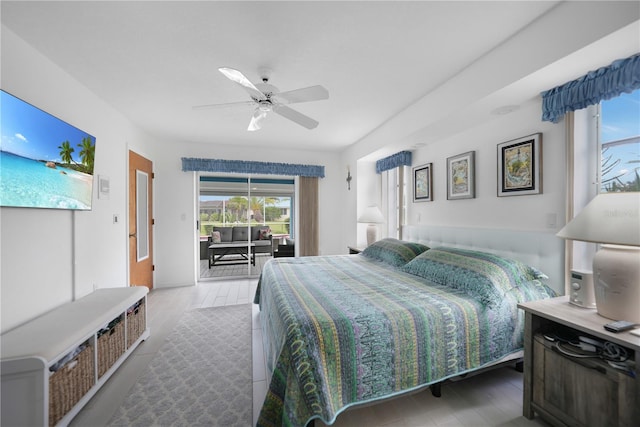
(267,98)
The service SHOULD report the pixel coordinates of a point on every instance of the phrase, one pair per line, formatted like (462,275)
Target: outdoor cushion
(265,233)
(255,232)
(240,233)
(225,233)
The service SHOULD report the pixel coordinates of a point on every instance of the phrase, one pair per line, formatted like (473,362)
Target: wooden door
(140,221)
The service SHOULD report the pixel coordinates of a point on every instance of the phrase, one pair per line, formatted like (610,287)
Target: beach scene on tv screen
(45,162)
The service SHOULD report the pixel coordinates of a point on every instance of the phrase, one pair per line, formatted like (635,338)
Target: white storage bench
(53,364)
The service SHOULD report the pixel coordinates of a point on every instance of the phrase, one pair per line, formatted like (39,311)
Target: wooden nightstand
(353,250)
(575,391)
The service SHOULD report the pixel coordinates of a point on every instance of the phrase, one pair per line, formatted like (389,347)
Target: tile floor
(493,398)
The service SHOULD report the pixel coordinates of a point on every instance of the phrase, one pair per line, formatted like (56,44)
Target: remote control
(619,326)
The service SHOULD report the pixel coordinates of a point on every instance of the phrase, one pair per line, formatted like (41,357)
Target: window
(394,199)
(606,146)
(234,201)
(619,138)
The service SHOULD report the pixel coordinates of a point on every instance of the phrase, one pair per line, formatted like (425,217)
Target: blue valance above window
(402,158)
(622,76)
(243,166)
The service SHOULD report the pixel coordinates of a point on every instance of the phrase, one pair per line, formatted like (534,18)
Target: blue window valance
(244,166)
(622,76)
(403,158)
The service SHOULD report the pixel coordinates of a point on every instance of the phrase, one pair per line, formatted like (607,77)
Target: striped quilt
(344,330)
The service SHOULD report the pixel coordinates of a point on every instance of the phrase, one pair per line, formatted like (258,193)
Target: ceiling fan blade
(256,120)
(230,104)
(239,78)
(295,116)
(312,93)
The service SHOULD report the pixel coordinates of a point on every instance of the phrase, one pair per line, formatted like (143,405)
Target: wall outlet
(115,218)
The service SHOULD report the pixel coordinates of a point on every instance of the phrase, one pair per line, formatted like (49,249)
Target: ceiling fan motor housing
(267,89)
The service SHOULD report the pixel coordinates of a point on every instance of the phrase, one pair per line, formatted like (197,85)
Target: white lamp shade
(612,218)
(371,215)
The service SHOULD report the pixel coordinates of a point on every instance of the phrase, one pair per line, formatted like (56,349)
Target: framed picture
(461,176)
(422,185)
(520,166)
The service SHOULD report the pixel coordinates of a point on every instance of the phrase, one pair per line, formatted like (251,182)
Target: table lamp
(612,219)
(372,216)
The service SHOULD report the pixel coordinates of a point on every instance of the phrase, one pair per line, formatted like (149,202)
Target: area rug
(201,376)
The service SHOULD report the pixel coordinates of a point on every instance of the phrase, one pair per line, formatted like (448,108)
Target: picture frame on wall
(422,183)
(461,176)
(520,166)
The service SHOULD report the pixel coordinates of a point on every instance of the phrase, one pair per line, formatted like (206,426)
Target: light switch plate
(552,220)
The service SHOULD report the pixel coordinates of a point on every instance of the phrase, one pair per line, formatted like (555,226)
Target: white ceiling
(153,61)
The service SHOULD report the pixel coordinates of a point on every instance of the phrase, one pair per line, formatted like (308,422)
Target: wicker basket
(69,383)
(110,348)
(136,322)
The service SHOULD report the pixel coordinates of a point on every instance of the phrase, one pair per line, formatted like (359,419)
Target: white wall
(487,209)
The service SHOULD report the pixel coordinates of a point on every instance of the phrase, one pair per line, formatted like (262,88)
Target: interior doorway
(258,212)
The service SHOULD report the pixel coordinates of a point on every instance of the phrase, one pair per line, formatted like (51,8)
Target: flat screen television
(44,161)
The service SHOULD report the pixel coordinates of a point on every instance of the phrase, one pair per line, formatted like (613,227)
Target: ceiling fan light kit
(265,106)
(267,98)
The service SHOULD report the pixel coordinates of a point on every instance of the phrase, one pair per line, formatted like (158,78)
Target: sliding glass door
(242,220)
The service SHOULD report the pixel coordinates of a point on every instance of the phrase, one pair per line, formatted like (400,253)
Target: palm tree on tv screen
(66,151)
(87,154)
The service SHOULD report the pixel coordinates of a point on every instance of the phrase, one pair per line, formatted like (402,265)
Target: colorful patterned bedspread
(343,330)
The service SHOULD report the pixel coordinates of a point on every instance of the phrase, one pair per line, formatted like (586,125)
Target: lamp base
(616,271)
(372,234)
